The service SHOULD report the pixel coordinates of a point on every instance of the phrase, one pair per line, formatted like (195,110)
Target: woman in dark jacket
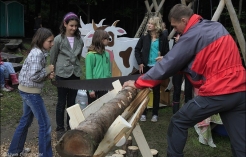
(151,48)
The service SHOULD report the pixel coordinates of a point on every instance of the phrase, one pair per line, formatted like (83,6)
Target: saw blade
(103,84)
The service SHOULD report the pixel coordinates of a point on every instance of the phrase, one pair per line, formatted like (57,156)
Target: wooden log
(135,103)
(84,139)
(119,128)
(120,151)
(154,152)
(132,151)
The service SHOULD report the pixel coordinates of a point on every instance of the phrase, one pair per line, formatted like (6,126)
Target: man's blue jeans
(33,105)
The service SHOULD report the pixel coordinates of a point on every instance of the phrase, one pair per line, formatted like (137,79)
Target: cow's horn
(94,25)
(100,23)
(81,22)
(115,22)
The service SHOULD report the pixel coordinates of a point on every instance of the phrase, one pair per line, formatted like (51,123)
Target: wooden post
(218,11)
(183,2)
(147,6)
(160,5)
(141,142)
(237,28)
(85,138)
(155,5)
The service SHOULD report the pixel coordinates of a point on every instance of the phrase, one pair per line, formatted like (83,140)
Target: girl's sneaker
(143,118)
(154,118)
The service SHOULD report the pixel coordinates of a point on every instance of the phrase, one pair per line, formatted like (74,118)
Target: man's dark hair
(179,11)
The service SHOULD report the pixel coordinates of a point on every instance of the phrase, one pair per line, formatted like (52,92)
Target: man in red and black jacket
(208,55)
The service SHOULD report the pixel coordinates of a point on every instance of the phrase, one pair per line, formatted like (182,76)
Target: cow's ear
(121,31)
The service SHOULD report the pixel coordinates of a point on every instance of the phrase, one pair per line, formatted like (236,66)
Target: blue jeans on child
(8,69)
(33,105)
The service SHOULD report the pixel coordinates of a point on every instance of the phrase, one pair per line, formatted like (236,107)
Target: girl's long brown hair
(40,36)
(66,19)
(98,37)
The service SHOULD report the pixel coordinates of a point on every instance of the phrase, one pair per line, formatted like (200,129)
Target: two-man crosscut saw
(102,84)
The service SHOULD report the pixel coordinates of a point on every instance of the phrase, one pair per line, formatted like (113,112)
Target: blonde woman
(151,48)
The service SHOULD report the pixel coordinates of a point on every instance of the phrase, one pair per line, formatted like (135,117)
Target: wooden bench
(14,59)
(6,57)
(13,43)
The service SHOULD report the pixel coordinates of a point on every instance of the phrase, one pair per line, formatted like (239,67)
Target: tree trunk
(84,140)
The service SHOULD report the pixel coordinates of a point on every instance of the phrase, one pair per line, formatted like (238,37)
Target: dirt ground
(32,137)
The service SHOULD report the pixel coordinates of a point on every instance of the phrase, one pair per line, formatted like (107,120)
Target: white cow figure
(121,49)
(85,29)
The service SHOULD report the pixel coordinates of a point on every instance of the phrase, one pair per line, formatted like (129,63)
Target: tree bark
(84,140)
